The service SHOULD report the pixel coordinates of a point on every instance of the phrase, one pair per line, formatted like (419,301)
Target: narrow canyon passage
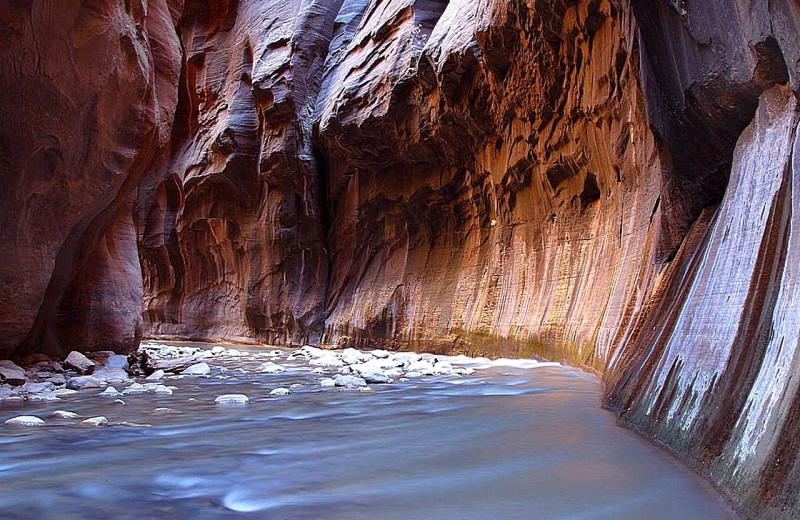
(611,185)
(512,441)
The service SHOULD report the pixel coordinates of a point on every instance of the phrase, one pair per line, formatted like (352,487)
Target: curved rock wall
(606,182)
(87,93)
(232,236)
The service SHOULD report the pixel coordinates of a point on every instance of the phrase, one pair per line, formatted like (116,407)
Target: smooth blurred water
(505,443)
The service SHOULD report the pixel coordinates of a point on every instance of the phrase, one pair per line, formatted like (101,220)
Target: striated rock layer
(606,182)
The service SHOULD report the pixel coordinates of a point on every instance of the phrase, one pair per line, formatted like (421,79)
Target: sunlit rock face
(232,241)
(596,182)
(604,182)
(88,95)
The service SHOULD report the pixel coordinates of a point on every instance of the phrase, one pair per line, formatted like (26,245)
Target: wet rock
(43,396)
(295,386)
(110,375)
(25,421)
(406,358)
(376,378)
(95,421)
(349,381)
(83,382)
(117,361)
(110,392)
(163,390)
(147,388)
(56,379)
(119,401)
(352,356)
(158,374)
(63,414)
(271,368)
(280,391)
(38,388)
(79,362)
(422,366)
(64,392)
(232,399)
(198,369)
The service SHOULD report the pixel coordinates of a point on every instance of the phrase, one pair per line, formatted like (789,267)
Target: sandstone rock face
(232,235)
(87,92)
(606,182)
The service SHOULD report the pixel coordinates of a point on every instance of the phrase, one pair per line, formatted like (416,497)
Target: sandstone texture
(608,183)
(87,93)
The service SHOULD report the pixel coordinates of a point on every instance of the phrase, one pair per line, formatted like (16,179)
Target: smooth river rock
(25,421)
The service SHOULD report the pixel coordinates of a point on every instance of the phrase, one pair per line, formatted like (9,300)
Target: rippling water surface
(505,443)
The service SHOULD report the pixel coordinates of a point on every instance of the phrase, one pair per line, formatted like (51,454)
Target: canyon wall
(87,96)
(604,182)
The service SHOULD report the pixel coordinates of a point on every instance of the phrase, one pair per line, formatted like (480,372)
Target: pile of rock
(358,369)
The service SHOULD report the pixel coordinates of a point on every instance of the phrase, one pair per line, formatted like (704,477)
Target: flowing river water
(514,440)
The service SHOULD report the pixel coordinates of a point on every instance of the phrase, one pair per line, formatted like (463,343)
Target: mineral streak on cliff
(606,182)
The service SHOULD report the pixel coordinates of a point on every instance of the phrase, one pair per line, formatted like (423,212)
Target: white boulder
(198,369)
(25,420)
(232,399)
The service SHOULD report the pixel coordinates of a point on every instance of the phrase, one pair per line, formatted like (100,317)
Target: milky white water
(511,441)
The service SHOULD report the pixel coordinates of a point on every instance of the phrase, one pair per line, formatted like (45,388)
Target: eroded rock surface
(87,93)
(606,182)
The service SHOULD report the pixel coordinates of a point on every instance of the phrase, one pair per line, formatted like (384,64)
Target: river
(514,440)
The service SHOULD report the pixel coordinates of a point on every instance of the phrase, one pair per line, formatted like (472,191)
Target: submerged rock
(271,368)
(110,392)
(38,388)
(158,374)
(198,369)
(349,381)
(376,378)
(232,399)
(110,375)
(82,382)
(25,420)
(95,421)
(63,414)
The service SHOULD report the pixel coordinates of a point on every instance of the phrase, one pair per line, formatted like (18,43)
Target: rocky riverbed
(155,368)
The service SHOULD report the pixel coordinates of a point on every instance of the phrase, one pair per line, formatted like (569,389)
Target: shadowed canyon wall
(606,182)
